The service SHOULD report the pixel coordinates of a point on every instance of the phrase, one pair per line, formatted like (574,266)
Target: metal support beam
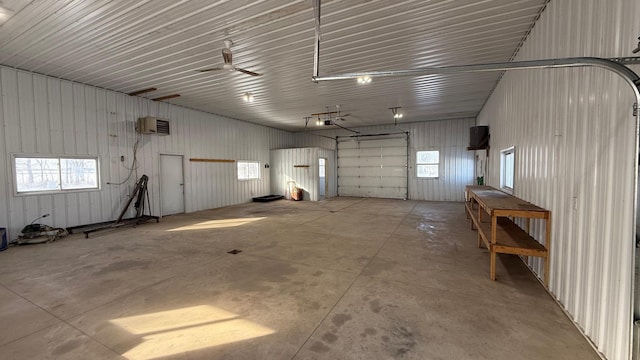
(611,65)
(316,51)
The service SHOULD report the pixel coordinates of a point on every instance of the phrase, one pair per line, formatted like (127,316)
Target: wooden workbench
(498,232)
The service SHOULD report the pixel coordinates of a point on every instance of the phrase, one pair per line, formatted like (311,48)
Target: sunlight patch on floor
(181,330)
(217,224)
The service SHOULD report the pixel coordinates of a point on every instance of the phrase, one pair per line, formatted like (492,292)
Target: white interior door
(322,178)
(171,184)
(373,168)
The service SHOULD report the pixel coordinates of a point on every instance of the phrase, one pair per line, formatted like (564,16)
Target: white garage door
(373,167)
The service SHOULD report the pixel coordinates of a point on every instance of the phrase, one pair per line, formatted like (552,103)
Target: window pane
(248,170)
(79,173)
(427,171)
(242,170)
(37,174)
(253,170)
(508,170)
(427,157)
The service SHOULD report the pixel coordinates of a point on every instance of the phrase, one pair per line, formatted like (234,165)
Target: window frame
(417,164)
(503,168)
(238,162)
(59,157)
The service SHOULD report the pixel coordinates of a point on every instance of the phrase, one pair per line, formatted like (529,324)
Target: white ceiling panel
(131,45)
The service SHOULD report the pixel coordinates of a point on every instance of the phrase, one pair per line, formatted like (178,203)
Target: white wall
(450,137)
(283,171)
(44,115)
(574,135)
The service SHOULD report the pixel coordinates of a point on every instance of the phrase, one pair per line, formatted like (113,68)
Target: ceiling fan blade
(210,69)
(248,72)
(226,55)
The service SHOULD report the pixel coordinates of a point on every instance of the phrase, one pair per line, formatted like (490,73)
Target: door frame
(184,197)
(326,182)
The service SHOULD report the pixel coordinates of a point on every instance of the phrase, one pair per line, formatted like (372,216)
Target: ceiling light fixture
(319,122)
(364,79)
(396,114)
(5,14)
(248,97)
(306,121)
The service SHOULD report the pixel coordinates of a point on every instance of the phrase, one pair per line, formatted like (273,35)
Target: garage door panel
(378,143)
(366,181)
(394,151)
(373,168)
(394,161)
(361,181)
(382,192)
(374,171)
(386,161)
(352,191)
(374,152)
(394,182)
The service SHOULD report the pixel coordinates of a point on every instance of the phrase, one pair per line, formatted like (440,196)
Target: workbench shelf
(491,212)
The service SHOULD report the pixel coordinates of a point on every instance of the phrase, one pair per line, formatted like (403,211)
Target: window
(428,164)
(507,169)
(34,174)
(248,170)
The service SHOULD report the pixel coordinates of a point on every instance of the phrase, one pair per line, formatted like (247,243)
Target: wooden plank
(521,213)
(469,211)
(510,239)
(497,200)
(501,235)
(211,160)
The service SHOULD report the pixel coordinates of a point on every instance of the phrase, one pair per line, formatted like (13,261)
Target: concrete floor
(344,278)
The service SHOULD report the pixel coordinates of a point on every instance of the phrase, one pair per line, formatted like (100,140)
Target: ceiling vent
(151,125)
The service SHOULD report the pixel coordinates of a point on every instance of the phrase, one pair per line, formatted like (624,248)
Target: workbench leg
(480,223)
(493,265)
(494,230)
(547,244)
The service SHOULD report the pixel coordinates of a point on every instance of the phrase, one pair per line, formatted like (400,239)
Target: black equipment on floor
(140,194)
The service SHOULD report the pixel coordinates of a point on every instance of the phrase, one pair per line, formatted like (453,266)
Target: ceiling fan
(340,116)
(228,63)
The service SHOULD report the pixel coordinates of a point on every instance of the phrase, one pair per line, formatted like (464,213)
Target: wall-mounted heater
(152,125)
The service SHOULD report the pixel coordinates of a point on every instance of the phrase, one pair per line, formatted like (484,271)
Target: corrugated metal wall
(284,173)
(574,136)
(450,137)
(44,115)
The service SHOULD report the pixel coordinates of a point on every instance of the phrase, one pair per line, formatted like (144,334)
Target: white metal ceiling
(131,45)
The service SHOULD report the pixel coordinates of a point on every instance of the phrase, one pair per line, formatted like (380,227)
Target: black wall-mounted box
(478,137)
